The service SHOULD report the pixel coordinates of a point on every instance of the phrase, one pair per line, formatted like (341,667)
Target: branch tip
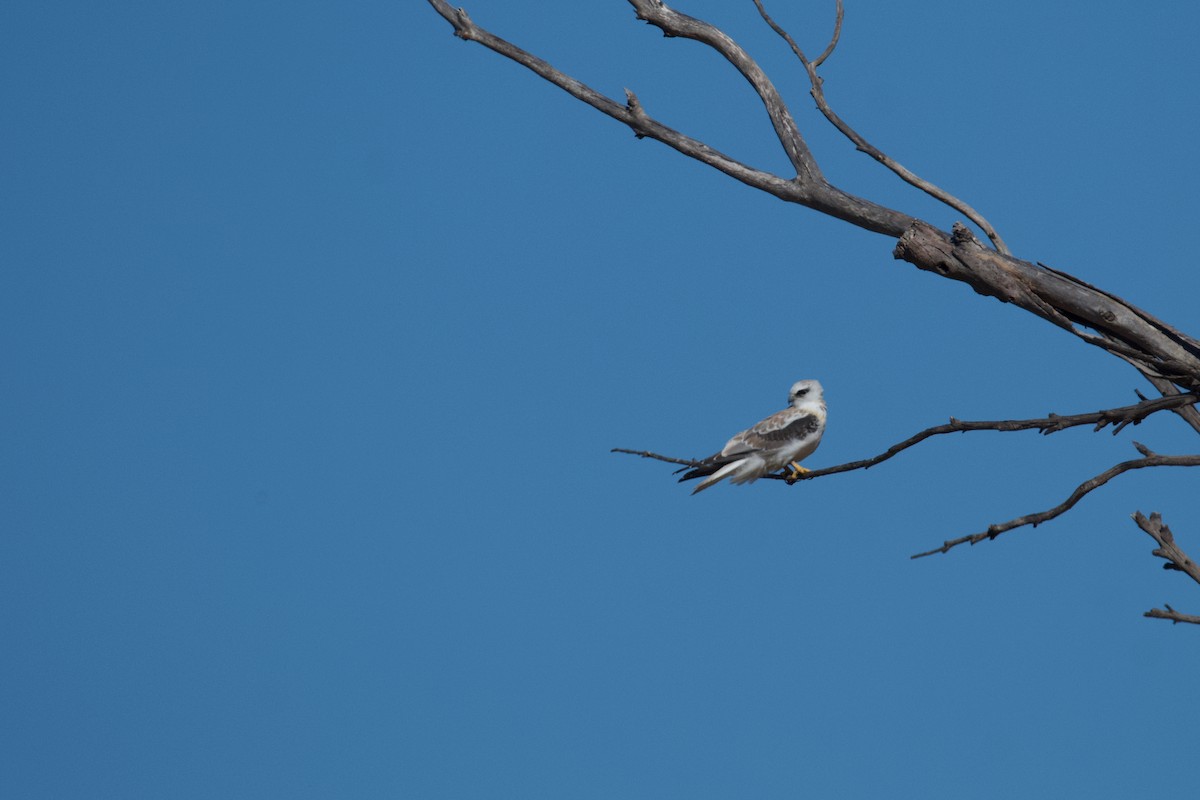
(1174,616)
(837,35)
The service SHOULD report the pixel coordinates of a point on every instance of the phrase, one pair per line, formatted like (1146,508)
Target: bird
(781,440)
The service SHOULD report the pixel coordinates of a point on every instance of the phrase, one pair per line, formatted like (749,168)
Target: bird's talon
(797,471)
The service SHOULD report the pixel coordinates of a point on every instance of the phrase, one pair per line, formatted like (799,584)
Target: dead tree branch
(1166,612)
(1149,460)
(1175,558)
(673,23)
(837,35)
(809,187)
(860,142)
(1125,331)
(1116,417)
(1167,548)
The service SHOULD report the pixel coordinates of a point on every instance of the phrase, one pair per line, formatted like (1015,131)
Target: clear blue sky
(319,325)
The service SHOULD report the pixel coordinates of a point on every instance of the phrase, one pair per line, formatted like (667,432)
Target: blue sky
(320,323)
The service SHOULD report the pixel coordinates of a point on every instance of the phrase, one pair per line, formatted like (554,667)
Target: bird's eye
(801,392)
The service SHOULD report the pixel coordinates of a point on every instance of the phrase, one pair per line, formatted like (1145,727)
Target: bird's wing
(772,433)
(778,429)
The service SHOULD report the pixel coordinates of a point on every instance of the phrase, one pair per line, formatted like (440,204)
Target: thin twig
(1187,413)
(864,146)
(1081,491)
(687,462)
(837,34)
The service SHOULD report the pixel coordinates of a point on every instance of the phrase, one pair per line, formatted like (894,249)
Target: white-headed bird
(781,440)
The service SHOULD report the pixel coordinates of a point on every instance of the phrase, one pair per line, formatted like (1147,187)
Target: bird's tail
(716,477)
(703,468)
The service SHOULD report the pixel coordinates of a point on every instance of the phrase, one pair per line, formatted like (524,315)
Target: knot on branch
(961,236)
(464,28)
(637,113)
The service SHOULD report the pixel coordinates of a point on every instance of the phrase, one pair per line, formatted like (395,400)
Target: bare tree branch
(1167,548)
(680,25)
(905,174)
(1164,385)
(1168,389)
(1179,336)
(837,35)
(809,188)
(1166,612)
(1149,460)
(1175,559)
(1117,417)
(1187,413)
(1065,301)
(632,113)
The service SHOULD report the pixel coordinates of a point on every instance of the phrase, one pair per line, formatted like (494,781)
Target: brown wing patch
(762,437)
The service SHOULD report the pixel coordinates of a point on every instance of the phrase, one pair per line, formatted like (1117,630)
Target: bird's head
(806,391)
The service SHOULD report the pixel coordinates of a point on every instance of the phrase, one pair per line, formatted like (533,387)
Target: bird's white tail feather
(719,475)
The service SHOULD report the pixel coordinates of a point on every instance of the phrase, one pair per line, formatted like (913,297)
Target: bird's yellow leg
(797,471)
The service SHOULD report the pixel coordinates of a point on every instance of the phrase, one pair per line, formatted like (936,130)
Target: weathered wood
(1057,297)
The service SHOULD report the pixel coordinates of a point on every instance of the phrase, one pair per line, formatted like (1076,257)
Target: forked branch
(860,142)
(808,188)
(673,23)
